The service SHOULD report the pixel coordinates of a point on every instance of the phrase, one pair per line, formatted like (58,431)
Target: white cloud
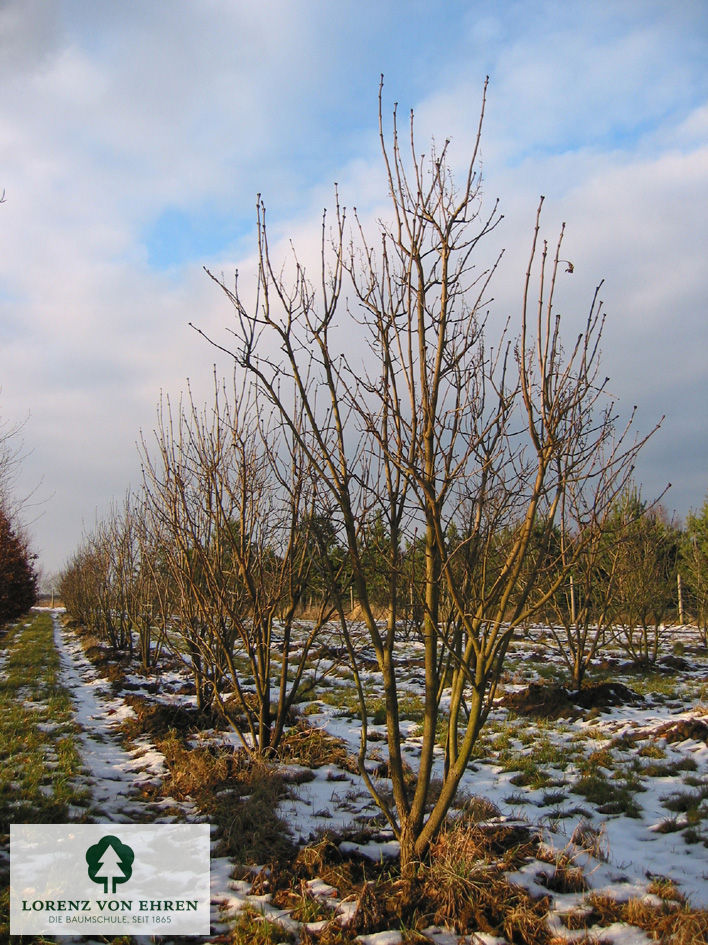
(111,115)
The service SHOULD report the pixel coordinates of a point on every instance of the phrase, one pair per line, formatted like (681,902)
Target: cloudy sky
(134,138)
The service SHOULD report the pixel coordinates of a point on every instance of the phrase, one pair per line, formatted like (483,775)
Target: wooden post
(572,601)
(680,598)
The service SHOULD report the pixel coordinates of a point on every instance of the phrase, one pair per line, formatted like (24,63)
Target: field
(580,819)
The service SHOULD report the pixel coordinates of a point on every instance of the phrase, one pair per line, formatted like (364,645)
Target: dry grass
(477,809)
(332,934)
(252,928)
(670,923)
(666,888)
(157,719)
(565,877)
(302,905)
(464,887)
(196,770)
(589,939)
(592,840)
(237,793)
(311,746)
(325,861)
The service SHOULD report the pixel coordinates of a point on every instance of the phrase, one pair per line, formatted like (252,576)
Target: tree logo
(110,862)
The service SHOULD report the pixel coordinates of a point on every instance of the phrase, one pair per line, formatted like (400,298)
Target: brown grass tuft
(478,809)
(313,747)
(156,719)
(592,840)
(670,923)
(372,914)
(193,770)
(332,934)
(463,890)
(565,878)
(666,889)
(236,792)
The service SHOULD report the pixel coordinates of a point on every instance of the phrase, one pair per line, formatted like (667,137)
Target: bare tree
(450,441)
(141,587)
(585,606)
(647,559)
(95,584)
(237,516)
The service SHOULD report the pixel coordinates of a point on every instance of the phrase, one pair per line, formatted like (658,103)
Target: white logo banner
(109,879)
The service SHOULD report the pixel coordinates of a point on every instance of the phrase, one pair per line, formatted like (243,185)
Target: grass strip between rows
(39,754)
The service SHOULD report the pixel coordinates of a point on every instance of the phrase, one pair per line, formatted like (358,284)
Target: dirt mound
(156,719)
(605,694)
(547,701)
(674,662)
(679,731)
(537,699)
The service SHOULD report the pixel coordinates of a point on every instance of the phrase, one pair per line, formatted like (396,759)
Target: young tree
(646,562)
(89,588)
(435,427)
(236,511)
(137,585)
(584,607)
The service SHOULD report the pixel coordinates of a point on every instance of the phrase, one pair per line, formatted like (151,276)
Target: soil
(556,701)
(678,731)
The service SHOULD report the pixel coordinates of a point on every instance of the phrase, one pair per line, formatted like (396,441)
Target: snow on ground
(115,775)
(637,851)
(631,850)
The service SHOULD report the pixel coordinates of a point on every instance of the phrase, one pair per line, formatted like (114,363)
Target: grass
(461,886)
(464,888)
(687,801)
(252,928)
(614,796)
(650,683)
(672,923)
(311,746)
(38,748)
(238,794)
(39,756)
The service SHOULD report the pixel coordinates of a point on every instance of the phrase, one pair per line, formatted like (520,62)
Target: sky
(134,138)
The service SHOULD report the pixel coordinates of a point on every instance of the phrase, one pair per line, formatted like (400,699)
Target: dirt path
(115,775)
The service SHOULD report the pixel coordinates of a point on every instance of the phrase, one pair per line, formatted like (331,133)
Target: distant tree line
(139,580)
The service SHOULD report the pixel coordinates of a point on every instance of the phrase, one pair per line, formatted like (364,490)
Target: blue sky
(134,138)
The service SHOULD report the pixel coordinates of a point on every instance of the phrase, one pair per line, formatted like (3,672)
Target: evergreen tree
(18,578)
(694,566)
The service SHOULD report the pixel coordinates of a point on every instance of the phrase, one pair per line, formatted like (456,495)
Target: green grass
(39,757)
(37,740)
(663,684)
(252,928)
(614,796)
(688,802)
